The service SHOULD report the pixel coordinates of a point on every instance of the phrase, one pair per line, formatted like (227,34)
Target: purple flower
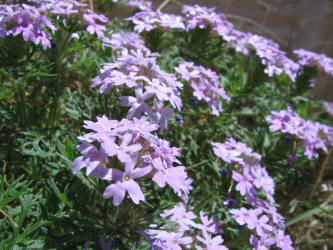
(124,150)
(154,88)
(329,107)
(92,159)
(263,181)
(208,225)
(312,58)
(106,243)
(293,158)
(123,42)
(211,243)
(258,244)
(226,154)
(127,140)
(161,114)
(283,241)
(65,7)
(274,215)
(169,154)
(175,177)
(287,139)
(104,128)
(125,182)
(314,135)
(137,103)
(148,20)
(179,119)
(179,215)
(231,202)
(272,57)
(250,178)
(202,17)
(244,180)
(246,216)
(28,21)
(91,17)
(262,227)
(204,83)
(171,240)
(141,4)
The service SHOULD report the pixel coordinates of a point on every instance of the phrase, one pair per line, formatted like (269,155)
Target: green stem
(58,88)
(21,104)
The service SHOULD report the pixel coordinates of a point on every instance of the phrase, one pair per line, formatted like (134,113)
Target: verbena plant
(181,131)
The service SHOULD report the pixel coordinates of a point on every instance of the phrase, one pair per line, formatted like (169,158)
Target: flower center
(126,178)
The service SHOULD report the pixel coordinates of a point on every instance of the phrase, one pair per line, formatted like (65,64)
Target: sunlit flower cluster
(315,135)
(137,69)
(200,234)
(257,188)
(124,152)
(205,84)
(128,156)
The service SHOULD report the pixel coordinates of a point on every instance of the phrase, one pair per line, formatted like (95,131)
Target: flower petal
(139,172)
(117,191)
(134,191)
(123,157)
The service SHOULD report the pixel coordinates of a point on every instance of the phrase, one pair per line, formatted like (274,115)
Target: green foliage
(46,95)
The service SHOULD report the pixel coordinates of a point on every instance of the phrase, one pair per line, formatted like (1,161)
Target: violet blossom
(148,20)
(253,180)
(314,135)
(124,181)
(205,84)
(135,152)
(329,107)
(311,59)
(154,88)
(188,229)
(28,21)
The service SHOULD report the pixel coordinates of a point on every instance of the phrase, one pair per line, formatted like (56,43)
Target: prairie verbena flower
(134,152)
(153,87)
(205,84)
(311,59)
(314,135)
(148,20)
(252,179)
(26,20)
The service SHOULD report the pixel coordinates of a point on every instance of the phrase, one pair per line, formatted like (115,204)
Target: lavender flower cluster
(127,153)
(203,234)
(312,58)
(268,51)
(34,25)
(127,150)
(148,20)
(205,84)
(140,4)
(26,20)
(329,107)
(141,155)
(275,60)
(315,135)
(257,188)
(136,68)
